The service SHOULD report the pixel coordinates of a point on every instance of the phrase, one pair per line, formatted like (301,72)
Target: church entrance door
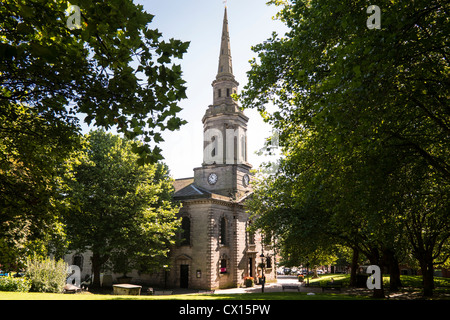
(184,276)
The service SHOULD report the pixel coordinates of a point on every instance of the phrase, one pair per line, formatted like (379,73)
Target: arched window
(268,262)
(251,234)
(186,231)
(213,151)
(223,266)
(223,231)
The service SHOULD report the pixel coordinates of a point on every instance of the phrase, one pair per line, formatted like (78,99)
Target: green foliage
(120,210)
(46,274)
(363,119)
(10,283)
(116,70)
(32,150)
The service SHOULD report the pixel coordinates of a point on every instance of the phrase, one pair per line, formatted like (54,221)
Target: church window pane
(251,234)
(213,151)
(223,266)
(228,92)
(186,231)
(251,238)
(269,262)
(223,231)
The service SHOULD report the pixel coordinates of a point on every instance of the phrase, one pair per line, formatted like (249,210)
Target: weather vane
(225,2)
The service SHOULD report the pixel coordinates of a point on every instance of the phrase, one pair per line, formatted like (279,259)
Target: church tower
(225,169)
(214,248)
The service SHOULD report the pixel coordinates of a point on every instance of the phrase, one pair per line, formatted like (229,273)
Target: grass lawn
(410,283)
(243,296)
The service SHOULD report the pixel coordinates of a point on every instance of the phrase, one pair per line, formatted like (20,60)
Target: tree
(33,148)
(122,212)
(112,67)
(363,119)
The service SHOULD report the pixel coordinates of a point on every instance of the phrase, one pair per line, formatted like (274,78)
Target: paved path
(272,287)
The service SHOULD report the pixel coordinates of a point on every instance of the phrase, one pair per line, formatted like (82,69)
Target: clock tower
(214,247)
(225,169)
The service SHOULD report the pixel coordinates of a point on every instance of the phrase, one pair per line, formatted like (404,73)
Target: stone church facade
(215,249)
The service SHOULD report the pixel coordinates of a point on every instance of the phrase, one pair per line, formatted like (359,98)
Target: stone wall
(204,254)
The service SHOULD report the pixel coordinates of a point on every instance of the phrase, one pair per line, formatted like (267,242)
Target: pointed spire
(225,64)
(225,85)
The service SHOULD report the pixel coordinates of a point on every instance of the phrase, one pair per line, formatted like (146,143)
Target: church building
(216,250)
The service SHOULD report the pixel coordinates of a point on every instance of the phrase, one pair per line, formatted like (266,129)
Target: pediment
(183,257)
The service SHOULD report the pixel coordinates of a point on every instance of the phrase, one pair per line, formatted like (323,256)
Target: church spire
(225,85)
(225,63)
(225,169)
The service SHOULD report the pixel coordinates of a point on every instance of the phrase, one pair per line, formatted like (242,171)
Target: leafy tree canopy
(120,211)
(111,67)
(363,118)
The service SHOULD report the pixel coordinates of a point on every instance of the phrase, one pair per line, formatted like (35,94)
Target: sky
(200,22)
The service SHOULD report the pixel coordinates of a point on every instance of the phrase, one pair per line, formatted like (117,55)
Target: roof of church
(185,189)
(179,184)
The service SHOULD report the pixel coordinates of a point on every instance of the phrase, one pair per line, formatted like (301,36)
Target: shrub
(46,275)
(248,281)
(14,284)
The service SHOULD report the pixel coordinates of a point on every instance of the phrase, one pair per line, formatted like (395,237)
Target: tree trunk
(394,278)
(428,278)
(374,259)
(379,293)
(97,263)
(394,271)
(354,267)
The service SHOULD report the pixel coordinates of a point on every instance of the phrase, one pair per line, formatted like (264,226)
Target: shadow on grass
(246,296)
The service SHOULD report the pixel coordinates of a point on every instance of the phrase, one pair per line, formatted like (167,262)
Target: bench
(290,286)
(332,286)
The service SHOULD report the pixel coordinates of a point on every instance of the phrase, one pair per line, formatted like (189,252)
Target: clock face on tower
(212,178)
